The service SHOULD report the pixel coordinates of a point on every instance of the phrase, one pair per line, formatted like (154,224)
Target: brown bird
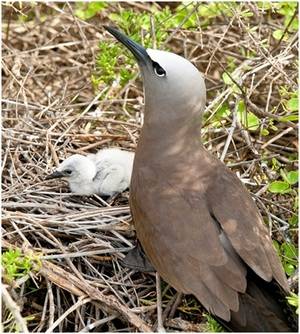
(196,221)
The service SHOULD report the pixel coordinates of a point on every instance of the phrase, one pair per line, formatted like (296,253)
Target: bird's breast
(159,206)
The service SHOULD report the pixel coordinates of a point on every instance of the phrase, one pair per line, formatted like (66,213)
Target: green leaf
(247,118)
(293,300)
(289,250)
(226,78)
(264,132)
(222,111)
(296,204)
(292,104)
(86,11)
(279,187)
(275,164)
(292,177)
(292,118)
(277,34)
(289,269)
(212,325)
(293,221)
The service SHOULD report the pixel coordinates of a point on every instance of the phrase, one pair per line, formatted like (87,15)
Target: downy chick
(106,173)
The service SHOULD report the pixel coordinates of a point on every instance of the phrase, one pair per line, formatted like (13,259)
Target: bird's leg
(160,325)
(137,260)
(112,198)
(109,199)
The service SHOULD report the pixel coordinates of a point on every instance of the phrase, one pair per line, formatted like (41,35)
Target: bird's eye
(68,171)
(158,70)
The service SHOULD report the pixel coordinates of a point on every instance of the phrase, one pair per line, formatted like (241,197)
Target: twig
(281,134)
(81,301)
(51,303)
(14,309)
(97,323)
(160,325)
(286,29)
(71,283)
(231,131)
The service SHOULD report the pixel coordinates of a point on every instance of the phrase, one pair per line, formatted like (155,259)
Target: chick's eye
(68,171)
(158,70)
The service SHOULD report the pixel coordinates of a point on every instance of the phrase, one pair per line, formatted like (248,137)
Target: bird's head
(171,82)
(75,169)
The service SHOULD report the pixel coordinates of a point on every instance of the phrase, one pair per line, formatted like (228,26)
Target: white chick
(107,173)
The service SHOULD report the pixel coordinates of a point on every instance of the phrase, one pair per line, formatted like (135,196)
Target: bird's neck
(165,135)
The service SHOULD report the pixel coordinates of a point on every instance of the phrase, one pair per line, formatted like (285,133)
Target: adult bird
(107,173)
(197,223)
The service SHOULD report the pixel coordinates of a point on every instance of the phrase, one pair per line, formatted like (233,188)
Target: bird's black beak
(54,175)
(136,49)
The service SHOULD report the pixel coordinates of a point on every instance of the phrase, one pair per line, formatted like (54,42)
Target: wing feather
(236,212)
(196,261)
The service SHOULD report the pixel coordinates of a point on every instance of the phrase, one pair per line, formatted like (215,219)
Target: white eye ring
(162,74)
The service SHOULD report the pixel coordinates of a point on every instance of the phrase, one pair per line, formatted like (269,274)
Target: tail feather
(263,308)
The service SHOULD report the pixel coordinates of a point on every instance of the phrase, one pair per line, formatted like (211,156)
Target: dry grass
(50,111)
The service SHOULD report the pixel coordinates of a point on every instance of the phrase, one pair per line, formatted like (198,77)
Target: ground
(68,87)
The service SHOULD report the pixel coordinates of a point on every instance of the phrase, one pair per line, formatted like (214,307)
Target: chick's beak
(55,175)
(136,49)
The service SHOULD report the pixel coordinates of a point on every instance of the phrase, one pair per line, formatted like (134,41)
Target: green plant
(285,185)
(132,23)
(247,118)
(109,65)
(17,265)
(220,115)
(106,65)
(287,10)
(138,26)
(288,253)
(212,325)
(87,10)
(290,25)
(289,102)
(293,300)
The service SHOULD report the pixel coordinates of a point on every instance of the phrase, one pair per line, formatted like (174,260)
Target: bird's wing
(233,208)
(183,242)
(196,245)
(111,179)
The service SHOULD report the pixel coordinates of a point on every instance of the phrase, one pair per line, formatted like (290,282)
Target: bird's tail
(263,308)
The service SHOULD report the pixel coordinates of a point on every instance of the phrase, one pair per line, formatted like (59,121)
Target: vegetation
(68,88)
(294,301)
(212,325)
(17,265)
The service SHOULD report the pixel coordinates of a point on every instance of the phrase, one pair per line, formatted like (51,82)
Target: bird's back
(114,156)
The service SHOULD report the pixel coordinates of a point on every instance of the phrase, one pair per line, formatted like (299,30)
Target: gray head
(170,82)
(75,169)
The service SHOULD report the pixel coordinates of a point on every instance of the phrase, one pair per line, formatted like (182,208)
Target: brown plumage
(197,223)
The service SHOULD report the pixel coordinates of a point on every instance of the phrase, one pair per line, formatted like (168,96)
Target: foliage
(289,256)
(108,66)
(289,102)
(293,300)
(212,325)
(16,264)
(133,23)
(221,113)
(87,10)
(106,63)
(247,118)
(285,186)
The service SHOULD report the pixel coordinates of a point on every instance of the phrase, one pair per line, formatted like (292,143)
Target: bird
(195,220)
(107,173)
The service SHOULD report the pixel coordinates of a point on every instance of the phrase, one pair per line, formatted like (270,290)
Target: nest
(50,111)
